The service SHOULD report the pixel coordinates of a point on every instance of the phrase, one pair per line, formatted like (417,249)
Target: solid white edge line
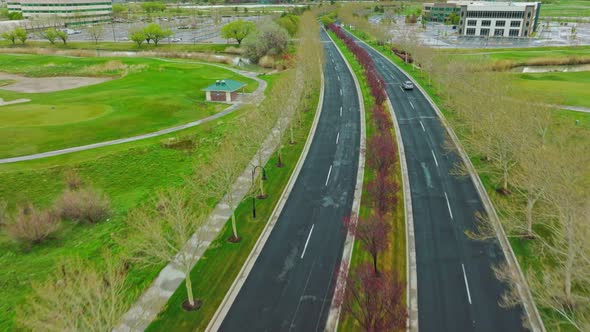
(466,283)
(306,242)
(449,205)
(328,177)
(423,129)
(412,105)
(433,156)
(337,137)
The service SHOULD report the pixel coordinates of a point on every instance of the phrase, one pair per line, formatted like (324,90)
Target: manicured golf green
(144,95)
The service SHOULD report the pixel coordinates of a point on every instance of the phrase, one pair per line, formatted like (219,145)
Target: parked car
(408,85)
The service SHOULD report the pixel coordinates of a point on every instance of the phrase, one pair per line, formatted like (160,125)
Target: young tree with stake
(168,229)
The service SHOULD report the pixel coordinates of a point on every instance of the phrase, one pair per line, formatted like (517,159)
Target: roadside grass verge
(217,269)
(128,173)
(528,260)
(144,95)
(394,259)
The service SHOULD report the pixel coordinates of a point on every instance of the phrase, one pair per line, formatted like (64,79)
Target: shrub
(83,205)
(32,226)
(270,39)
(73,179)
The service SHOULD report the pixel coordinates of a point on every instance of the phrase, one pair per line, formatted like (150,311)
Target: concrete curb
(334,314)
(235,288)
(411,274)
(524,291)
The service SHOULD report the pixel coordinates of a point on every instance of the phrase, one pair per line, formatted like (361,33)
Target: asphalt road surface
(457,289)
(291,284)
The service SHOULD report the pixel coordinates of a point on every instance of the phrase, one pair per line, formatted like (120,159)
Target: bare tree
(96,31)
(373,234)
(77,296)
(217,180)
(169,229)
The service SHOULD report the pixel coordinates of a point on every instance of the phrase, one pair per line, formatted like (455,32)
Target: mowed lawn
(570,89)
(565,8)
(145,95)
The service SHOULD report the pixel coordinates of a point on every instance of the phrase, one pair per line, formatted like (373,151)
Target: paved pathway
(153,300)
(574,108)
(256,97)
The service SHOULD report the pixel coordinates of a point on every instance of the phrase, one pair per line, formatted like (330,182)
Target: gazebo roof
(225,85)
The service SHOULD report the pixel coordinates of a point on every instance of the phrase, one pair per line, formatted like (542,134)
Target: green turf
(395,258)
(212,279)
(565,8)
(144,95)
(120,46)
(522,54)
(572,88)
(128,173)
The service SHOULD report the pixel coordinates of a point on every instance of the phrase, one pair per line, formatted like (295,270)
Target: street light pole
(261,196)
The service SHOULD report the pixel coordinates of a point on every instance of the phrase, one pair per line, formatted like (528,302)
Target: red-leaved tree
(382,190)
(372,232)
(381,153)
(382,119)
(373,300)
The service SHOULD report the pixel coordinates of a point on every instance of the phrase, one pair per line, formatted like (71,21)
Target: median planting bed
(380,246)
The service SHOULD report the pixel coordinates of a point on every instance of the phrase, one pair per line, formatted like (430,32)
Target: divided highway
(290,286)
(457,289)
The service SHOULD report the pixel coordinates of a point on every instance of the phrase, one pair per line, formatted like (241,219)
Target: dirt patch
(48,84)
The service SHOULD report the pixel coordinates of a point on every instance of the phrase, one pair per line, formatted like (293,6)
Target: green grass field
(128,173)
(565,8)
(571,88)
(522,54)
(144,95)
(120,46)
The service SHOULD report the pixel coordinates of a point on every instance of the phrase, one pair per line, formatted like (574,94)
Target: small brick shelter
(223,90)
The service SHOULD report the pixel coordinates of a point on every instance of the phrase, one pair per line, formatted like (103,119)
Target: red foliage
(382,119)
(372,232)
(374,80)
(373,300)
(383,192)
(381,153)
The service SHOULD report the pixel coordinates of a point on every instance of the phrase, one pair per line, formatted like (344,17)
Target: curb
(411,274)
(534,318)
(334,314)
(225,305)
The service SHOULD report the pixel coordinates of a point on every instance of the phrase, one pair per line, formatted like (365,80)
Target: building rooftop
(225,85)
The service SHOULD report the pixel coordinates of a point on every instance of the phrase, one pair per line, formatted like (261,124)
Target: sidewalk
(153,300)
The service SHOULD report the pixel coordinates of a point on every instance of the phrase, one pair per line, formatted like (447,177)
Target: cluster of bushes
(153,32)
(30,225)
(15,34)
